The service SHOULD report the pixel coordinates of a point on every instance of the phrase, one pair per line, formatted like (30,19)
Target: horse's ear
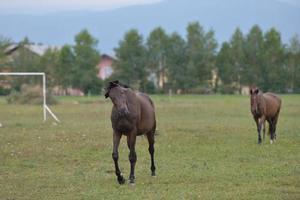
(115,82)
(256,90)
(125,86)
(111,84)
(250,91)
(106,94)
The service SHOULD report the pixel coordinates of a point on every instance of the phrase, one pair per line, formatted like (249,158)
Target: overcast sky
(292,2)
(45,6)
(41,6)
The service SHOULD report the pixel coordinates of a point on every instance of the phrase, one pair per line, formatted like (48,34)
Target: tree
(65,68)
(274,76)
(293,64)
(254,69)
(131,60)
(224,64)
(157,44)
(48,64)
(25,61)
(237,44)
(177,62)
(4,43)
(86,59)
(201,50)
(231,62)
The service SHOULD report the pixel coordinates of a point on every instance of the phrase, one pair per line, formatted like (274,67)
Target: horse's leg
(275,124)
(270,130)
(261,124)
(272,135)
(258,125)
(264,130)
(150,137)
(274,132)
(115,156)
(131,138)
(273,128)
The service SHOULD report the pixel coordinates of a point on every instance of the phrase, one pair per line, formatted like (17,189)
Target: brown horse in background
(132,115)
(265,106)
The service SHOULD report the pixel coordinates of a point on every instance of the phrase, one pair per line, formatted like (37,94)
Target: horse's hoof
(259,142)
(121,180)
(271,141)
(131,181)
(153,174)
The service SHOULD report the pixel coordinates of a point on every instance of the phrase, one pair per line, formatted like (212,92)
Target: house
(105,66)
(32,49)
(14,51)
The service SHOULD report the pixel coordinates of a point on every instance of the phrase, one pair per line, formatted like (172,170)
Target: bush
(200,90)
(94,88)
(227,89)
(30,95)
(4,91)
(149,88)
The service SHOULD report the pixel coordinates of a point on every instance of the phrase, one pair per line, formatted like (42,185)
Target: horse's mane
(113,84)
(273,95)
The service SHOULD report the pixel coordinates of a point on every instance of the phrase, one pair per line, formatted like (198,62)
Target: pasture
(206,148)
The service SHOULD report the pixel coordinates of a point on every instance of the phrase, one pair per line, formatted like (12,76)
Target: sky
(292,2)
(46,6)
(286,20)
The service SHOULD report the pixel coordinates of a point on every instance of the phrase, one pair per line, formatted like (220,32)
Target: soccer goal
(45,107)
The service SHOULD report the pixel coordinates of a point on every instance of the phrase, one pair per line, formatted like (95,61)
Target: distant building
(245,90)
(105,66)
(37,50)
(34,49)
(14,50)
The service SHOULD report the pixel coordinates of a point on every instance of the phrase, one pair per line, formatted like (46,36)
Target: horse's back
(273,103)
(145,98)
(275,99)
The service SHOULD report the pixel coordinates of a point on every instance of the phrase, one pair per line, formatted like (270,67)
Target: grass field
(206,148)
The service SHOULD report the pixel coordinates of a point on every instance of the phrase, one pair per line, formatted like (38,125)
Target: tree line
(71,66)
(163,62)
(197,64)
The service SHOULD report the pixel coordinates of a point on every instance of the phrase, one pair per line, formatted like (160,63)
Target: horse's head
(117,93)
(254,98)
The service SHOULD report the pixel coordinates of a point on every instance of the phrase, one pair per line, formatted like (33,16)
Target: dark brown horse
(132,115)
(265,106)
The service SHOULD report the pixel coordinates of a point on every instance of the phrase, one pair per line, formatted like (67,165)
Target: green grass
(206,148)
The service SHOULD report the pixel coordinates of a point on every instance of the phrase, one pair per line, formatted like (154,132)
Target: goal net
(46,109)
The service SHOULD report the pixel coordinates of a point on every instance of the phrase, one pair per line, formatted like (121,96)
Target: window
(107,71)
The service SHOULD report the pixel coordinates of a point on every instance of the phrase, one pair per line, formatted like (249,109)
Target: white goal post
(45,107)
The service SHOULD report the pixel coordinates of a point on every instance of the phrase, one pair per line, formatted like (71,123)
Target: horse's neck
(262,101)
(260,95)
(132,100)
(130,96)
